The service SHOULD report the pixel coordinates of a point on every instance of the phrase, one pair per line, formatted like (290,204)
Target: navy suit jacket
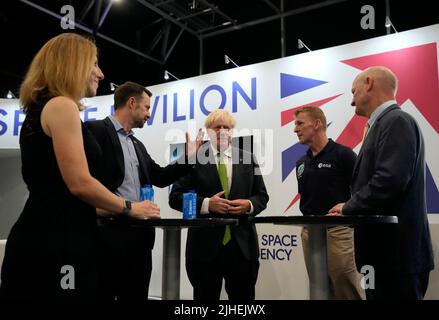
(112,170)
(205,244)
(389,179)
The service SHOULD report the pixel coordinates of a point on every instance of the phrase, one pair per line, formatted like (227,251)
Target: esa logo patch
(300,170)
(324,165)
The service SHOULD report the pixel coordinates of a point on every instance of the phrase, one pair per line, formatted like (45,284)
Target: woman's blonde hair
(61,68)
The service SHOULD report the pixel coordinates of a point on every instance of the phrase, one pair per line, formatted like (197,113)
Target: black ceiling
(139,39)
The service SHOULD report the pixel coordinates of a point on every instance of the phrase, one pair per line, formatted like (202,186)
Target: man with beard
(125,253)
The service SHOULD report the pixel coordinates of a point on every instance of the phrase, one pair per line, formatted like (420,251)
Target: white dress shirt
(227,160)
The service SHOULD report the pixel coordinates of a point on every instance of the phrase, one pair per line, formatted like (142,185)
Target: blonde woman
(50,252)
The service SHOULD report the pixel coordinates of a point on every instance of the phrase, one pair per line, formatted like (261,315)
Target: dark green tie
(222,172)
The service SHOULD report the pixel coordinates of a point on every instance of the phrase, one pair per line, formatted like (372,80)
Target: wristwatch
(126,208)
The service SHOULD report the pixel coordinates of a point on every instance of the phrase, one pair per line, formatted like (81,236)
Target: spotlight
(113,86)
(167,74)
(10,95)
(388,23)
(227,60)
(301,45)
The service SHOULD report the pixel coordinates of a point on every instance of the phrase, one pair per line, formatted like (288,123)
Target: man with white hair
(229,184)
(389,179)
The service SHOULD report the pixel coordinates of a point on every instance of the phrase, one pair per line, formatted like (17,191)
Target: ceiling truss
(200,18)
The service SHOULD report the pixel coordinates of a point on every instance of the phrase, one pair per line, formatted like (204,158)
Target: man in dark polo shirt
(323,176)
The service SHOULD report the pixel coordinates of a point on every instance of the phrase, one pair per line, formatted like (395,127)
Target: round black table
(318,266)
(171,244)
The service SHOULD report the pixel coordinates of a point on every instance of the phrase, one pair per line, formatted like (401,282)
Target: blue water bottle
(146,193)
(189,205)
